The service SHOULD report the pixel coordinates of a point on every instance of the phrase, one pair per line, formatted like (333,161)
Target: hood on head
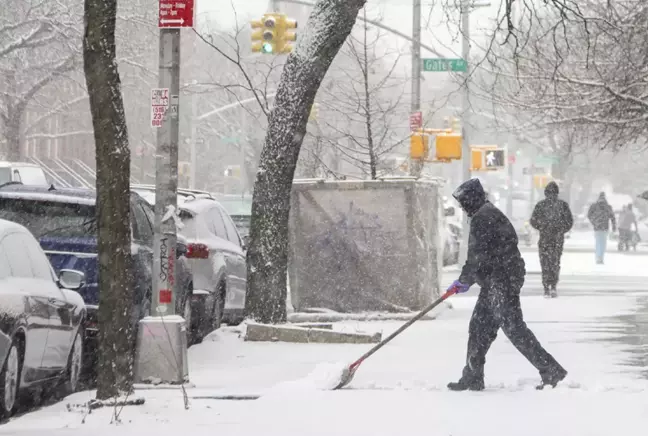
(552,190)
(470,195)
(602,197)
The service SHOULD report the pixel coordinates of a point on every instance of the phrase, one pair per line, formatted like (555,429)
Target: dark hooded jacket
(493,244)
(552,216)
(600,214)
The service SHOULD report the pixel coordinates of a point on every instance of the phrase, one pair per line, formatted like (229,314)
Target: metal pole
(166,179)
(275,6)
(465,104)
(510,151)
(192,146)
(416,56)
(416,167)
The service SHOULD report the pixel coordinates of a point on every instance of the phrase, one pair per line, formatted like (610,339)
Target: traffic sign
(443,65)
(159,105)
(533,170)
(495,158)
(176,13)
(416,120)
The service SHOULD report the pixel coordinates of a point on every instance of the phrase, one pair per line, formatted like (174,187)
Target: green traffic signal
(266,47)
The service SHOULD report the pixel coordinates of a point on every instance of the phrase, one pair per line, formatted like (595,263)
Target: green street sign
(444,65)
(547,160)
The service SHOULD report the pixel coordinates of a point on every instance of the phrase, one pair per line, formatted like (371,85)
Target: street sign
(176,13)
(495,159)
(546,160)
(443,65)
(533,170)
(416,120)
(159,105)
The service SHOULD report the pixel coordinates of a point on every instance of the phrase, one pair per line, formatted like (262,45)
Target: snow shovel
(349,372)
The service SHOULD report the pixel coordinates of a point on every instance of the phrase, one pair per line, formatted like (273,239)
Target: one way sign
(495,159)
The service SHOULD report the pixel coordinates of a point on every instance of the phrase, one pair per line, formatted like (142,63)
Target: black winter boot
(554,292)
(467,384)
(552,377)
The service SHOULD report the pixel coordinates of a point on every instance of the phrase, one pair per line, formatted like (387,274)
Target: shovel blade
(345,378)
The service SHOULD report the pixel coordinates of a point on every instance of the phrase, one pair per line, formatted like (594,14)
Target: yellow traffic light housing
(287,36)
(476,159)
(541,181)
(271,36)
(419,146)
(448,147)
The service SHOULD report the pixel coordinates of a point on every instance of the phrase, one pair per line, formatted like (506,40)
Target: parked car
(22,172)
(239,208)
(217,255)
(41,331)
(63,221)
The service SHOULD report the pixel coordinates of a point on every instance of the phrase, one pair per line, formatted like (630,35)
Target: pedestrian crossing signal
(495,159)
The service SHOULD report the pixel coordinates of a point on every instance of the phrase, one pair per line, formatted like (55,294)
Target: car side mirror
(71,279)
(450,211)
(246,242)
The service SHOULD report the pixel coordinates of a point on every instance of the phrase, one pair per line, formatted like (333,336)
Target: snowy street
(596,329)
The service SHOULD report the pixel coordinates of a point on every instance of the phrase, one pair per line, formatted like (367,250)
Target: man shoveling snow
(495,263)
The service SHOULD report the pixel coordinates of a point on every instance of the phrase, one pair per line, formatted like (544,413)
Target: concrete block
(287,333)
(314,325)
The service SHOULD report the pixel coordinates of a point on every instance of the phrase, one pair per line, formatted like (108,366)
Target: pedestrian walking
(626,219)
(600,214)
(494,262)
(552,218)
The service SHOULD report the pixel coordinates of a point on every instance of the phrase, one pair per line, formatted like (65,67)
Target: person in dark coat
(494,262)
(600,214)
(552,218)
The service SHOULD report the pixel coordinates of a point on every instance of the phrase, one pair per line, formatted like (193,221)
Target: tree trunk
(113,199)
(328,26)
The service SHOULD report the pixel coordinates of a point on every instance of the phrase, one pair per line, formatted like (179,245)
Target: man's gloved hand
(458,288)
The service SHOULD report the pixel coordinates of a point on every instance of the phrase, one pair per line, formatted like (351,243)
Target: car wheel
(10,381)
(217,312)
(186,314)
(74,365)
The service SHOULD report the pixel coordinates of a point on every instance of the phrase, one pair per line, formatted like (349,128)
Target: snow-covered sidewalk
(400,390)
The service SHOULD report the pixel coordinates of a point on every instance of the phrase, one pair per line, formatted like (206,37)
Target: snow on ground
(400,390)
(620,264)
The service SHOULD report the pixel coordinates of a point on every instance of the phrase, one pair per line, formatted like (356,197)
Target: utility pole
(416,56)
(465,106)
(416,166)
(166,178)
(192,146)
(466,162)
(162,337)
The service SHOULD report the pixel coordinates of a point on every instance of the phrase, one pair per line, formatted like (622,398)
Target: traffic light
(419,146)
(495,159)
(271,36)
(448,147)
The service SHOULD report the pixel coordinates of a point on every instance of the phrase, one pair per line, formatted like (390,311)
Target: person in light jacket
(600,214)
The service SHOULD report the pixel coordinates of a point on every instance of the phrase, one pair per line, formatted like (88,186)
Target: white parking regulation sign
(159,105)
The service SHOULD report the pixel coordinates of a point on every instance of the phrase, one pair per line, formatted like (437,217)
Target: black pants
(550,249)
(498,306)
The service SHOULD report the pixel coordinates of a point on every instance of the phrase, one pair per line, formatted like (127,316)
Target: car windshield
(237,205)
(5,175)
(51,219)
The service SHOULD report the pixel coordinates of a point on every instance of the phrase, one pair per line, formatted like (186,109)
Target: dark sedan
(41,329)
(63,220)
